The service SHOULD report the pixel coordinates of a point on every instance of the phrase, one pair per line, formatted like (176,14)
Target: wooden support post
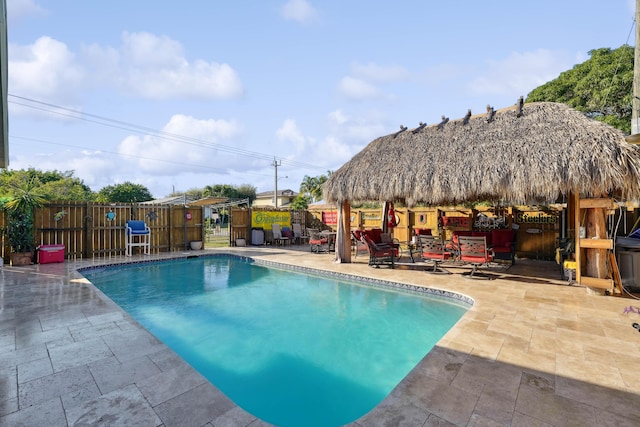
(596,258)
(575,201)
(615,272)
(346,237)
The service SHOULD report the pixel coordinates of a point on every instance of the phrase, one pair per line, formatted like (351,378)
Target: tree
(53,185)
(24,198)
(195,193)
(301,202)
(126,192)
(601,87)
(247,191)
(243,191)
(312,186)
(221,190)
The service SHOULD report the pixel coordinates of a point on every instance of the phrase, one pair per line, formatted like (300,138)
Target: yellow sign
(264,219)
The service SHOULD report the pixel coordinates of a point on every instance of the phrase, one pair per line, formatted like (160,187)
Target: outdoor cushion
(486,234)
(503,239)
(137,227)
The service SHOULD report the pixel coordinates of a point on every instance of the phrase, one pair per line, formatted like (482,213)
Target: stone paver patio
(532,351)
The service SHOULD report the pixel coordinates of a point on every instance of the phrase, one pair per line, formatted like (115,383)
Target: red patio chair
(358,244)
(318,242)
(503,244)
(434,251)
(379,254)
(474,251)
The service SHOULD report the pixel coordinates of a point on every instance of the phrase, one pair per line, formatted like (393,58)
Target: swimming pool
(291,348)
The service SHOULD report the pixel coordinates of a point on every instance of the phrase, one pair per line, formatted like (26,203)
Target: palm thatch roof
(522,154)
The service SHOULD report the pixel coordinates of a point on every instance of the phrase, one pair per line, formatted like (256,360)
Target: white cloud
(338,117)
(521,72)
(289,132)
(45,69)
(301,11)
(346,137)
(357,130)
(95,168)
(144,65)
(169,155)
(155,67)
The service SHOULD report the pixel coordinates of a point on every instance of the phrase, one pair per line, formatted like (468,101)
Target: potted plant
(20,220)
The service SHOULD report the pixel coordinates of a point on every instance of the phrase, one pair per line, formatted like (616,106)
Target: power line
(117,124)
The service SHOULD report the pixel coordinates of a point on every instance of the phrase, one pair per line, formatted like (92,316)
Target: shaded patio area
(531,351)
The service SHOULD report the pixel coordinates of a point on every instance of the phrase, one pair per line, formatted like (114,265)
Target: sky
(181,95)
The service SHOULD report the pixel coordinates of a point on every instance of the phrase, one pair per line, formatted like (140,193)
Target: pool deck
(531,351)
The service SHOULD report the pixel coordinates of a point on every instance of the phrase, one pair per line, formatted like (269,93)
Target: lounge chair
(434,251)
(474,251)
(137,234)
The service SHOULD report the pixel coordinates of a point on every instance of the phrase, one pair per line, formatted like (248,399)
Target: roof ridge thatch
(550,150)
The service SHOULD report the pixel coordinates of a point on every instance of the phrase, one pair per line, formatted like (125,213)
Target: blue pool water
(292,349)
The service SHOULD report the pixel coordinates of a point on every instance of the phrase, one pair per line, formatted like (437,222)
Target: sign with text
(456,221)
(264,219)
(536,218)
(330,218)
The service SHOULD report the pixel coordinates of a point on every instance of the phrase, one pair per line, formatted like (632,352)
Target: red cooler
(50,253)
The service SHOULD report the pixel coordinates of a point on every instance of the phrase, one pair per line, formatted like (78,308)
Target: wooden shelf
(604,203)
(595,211)
(596,243)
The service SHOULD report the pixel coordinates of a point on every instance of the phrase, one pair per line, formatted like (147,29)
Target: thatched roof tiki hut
(525,154)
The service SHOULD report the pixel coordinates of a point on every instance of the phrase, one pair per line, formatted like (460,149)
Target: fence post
(171,228)
(88,232)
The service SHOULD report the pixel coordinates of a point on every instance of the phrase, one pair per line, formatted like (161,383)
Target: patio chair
(503,244)
(137,234)
(379,254)
(474,251)
(358,245)
(386,239)
(298,235)
(434,251)
(278,237)
(318,242)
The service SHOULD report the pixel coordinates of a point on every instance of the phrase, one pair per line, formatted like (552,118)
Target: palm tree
(312,186)
(308,186)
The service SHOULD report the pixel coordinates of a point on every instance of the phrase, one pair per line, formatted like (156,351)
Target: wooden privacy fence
(90,230)
(240,222)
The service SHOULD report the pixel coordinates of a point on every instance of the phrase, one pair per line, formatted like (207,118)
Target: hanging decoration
(59,215)
(153,215)
(392,218)
(111,215)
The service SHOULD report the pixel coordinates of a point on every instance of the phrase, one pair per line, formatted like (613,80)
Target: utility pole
(275,181)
